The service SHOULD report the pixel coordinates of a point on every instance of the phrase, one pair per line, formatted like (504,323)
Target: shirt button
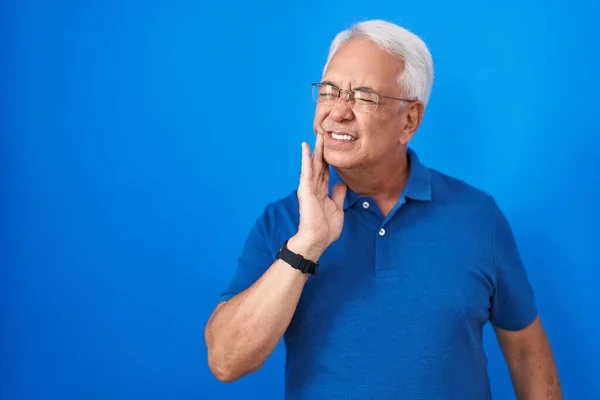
(366,204)
(381,232)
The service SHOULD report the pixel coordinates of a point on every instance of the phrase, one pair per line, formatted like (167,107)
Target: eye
(365,97)
(327,90)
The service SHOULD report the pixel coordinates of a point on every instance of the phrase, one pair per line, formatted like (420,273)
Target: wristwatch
(296,260)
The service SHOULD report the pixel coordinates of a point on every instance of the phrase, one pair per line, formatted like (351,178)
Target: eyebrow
(329,83)
(366,88)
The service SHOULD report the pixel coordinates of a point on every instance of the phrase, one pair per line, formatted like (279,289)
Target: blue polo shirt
(399,303)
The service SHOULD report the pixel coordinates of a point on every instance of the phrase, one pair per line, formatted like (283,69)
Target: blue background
(140,140)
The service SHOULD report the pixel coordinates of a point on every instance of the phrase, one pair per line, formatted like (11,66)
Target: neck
(384,181)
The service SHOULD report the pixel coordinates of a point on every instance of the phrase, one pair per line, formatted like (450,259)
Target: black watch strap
(297,261)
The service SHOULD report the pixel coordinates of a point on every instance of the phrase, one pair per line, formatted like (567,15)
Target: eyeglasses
(361,99)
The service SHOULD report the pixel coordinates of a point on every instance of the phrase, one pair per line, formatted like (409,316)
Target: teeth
(341,137)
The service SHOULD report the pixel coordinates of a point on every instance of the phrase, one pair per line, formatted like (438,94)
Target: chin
(339,160)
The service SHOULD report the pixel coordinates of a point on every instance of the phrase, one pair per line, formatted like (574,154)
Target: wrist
(306,248)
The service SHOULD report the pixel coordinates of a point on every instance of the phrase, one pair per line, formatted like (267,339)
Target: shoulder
(459,196)
(279,218)
(456,188)
(282,208)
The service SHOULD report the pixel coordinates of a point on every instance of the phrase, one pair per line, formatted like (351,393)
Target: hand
(321,217)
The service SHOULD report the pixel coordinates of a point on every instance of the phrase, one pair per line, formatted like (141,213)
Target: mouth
(342,136)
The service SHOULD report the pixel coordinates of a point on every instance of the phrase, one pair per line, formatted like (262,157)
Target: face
(378,136)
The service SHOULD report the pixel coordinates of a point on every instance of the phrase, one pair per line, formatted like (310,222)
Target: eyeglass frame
(350,93)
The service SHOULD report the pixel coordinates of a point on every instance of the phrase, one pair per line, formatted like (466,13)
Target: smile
(342,136)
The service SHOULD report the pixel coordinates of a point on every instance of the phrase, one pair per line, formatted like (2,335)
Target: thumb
(339,194)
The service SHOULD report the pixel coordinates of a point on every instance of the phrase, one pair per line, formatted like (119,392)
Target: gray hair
(417,77)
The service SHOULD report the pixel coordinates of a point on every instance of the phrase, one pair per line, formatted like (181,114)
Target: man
(411,262)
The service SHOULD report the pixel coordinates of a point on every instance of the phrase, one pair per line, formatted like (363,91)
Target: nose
(342,108)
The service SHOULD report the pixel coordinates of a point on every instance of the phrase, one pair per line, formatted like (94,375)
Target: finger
(320,184)
(306,169)
(318,163)
(339,194)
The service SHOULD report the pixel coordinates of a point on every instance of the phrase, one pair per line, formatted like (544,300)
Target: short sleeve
(513,304)
(256,257)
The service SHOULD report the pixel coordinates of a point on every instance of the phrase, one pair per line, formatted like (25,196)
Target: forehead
(360,62)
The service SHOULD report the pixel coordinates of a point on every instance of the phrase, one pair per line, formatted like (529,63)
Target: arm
(514,316)
(244,331)
(530,362)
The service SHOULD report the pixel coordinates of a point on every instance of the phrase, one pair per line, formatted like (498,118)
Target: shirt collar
(418,186)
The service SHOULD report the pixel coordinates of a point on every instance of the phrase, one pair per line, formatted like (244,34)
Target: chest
(427,274)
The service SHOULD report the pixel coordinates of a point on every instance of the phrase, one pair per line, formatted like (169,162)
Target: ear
(413,115)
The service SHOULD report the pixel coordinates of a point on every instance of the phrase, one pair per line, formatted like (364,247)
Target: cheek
(378,132)
(371,127)
(320,116)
